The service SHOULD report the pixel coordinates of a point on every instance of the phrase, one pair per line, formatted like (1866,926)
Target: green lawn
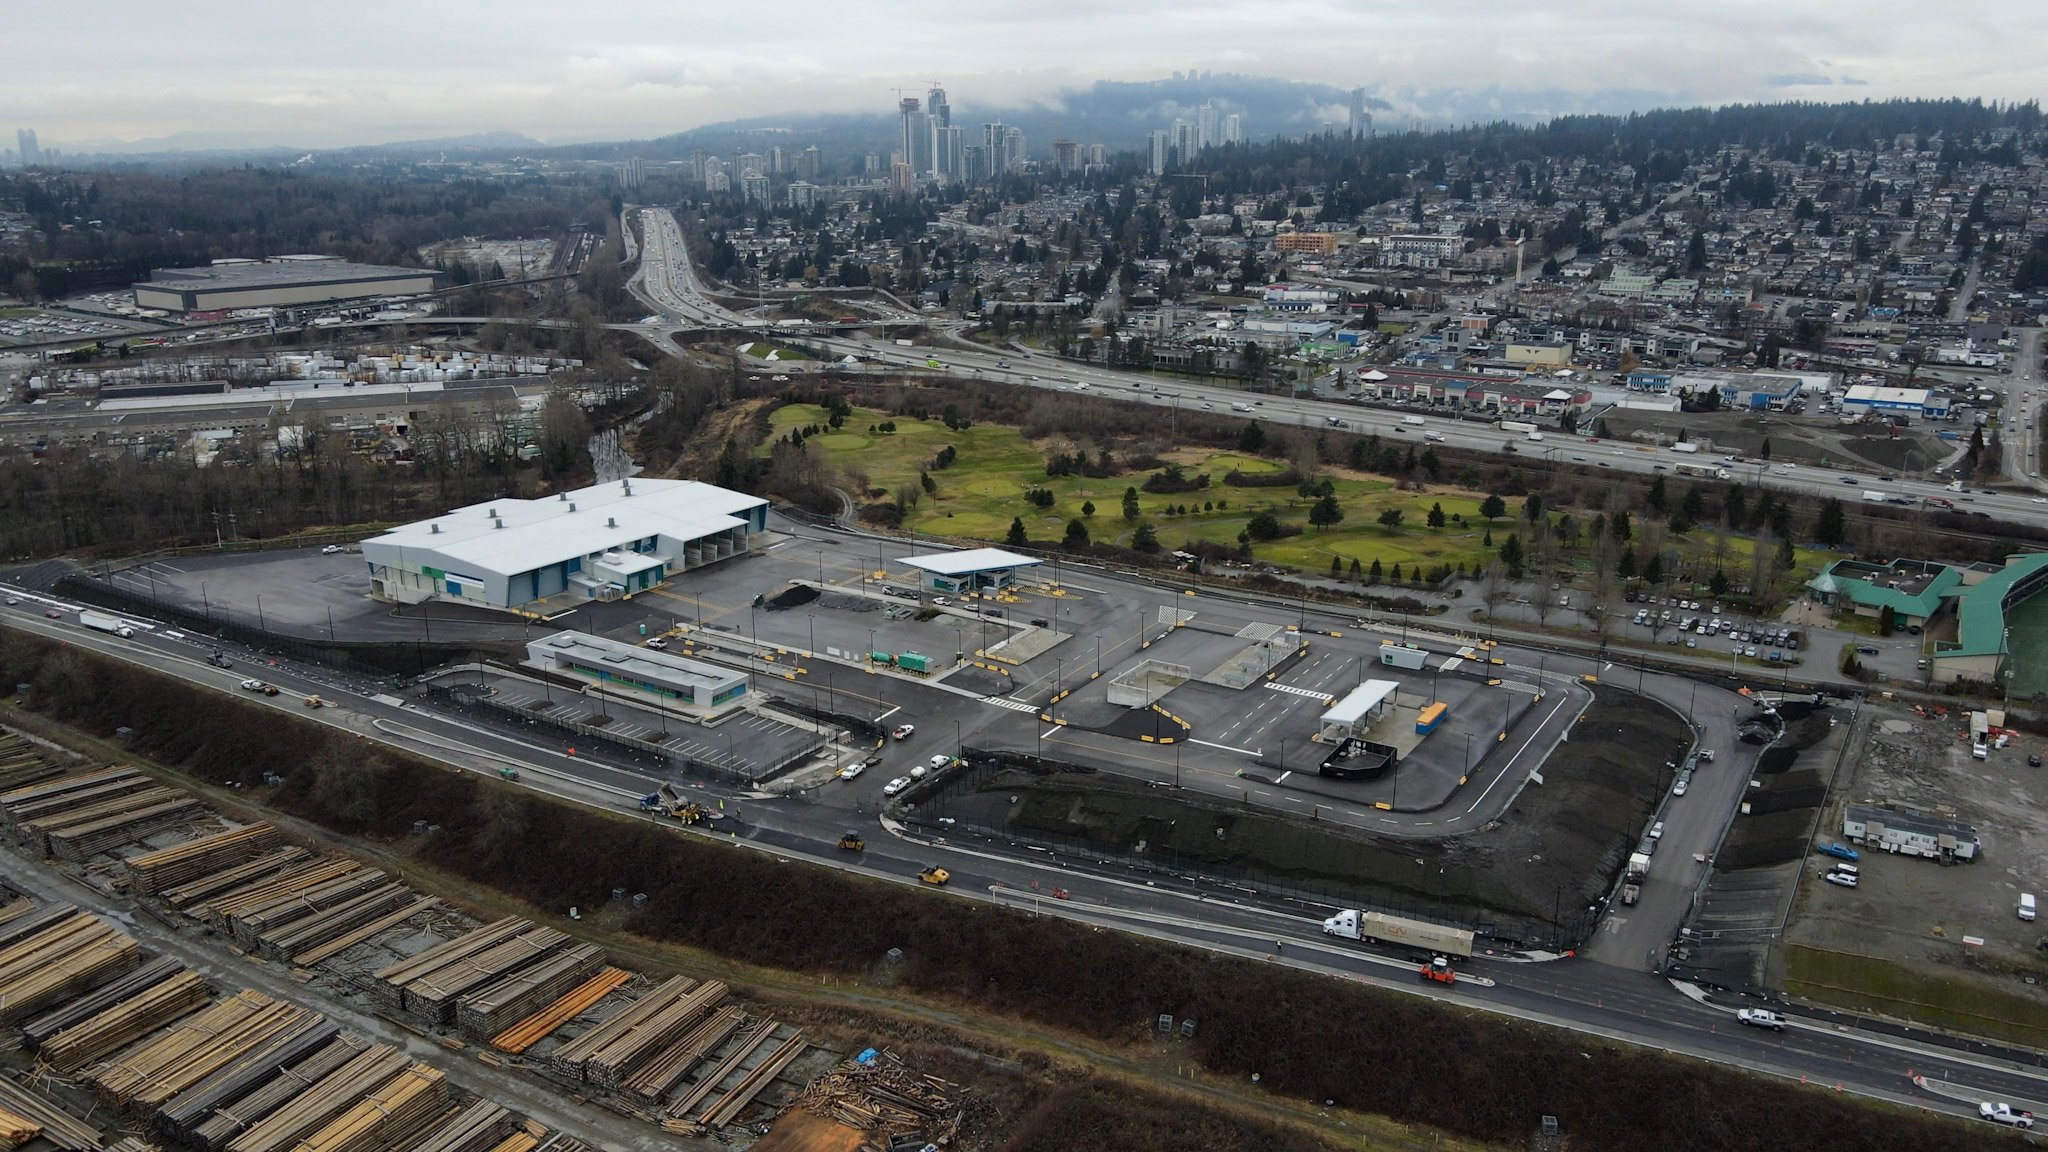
(984,488)
(760,349)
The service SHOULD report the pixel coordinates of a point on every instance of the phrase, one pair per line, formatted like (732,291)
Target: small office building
(632,672)
(973,570)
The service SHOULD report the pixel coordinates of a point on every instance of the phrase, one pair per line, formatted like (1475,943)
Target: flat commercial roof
(968,562)
(1877,394)
(1360,701)
(639,663)
(272,274)
(600,518)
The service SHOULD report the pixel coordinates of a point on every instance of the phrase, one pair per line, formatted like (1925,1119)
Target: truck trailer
(1874,497)
(101,622)
(1385,929)
(1638,870)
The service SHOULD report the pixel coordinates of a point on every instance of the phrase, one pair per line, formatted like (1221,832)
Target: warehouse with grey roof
(278,282)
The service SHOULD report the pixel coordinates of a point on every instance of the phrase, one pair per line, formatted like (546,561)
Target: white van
(2026,905)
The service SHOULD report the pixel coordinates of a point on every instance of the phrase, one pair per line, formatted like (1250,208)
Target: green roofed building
(1919,592)
(1980,647)
(1912,589)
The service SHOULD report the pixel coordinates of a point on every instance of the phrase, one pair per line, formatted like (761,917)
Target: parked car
(1761,1018)
(330,550)
(259,687)
(896,785)
(1841,878)
(939,761)
(1840,851)
(852,771)
(904,731)
(1678,789)
(1657,830)
(658,643)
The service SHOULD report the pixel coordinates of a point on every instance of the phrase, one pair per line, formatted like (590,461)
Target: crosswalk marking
(1012,705)
(1292,690)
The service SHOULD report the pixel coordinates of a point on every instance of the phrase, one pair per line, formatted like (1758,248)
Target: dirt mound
(794,596)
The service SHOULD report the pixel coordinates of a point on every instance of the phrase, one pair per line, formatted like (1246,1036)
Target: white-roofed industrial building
(604,542)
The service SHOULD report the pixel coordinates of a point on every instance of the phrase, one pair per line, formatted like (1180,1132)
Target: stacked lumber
(126,1022)
(15,910)
(606,1054)
(285,940)
(91,799)
(429,984)
(348,940)
(658,1076)
(476,1128)
(290,882)
(155,1071)
(228,879)
(22,761)
(752,1084)
(41,1028)
(534,1028)
(524,1138)
(409,1102)
(184,1112)
(252,924)
(16,1130)
(132,1144)
(312,1108)
(25,803)
(59,1127)
(66,959)
(21,928)
(430,999)
(498,1005)
(750,1038)
(153,872)
(86,832)
(232,1119)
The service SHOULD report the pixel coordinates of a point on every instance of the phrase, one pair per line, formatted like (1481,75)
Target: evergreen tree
(1831,526)
(1077,535)
(1659,499)
(1493,507)
(1511,556)
(1016,537)
(1436,515)
(1130,508)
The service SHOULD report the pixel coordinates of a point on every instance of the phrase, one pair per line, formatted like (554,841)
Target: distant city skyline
(235,73)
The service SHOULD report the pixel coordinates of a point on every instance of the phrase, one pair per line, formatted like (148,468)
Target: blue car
(1839,851)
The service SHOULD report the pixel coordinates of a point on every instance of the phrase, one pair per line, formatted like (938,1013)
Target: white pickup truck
(2004,1114)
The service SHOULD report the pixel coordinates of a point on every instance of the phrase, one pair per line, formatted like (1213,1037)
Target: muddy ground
(1953,925)
(1817,441)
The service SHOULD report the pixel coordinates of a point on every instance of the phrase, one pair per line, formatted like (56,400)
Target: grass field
(984,489)
(764,350)
(1868,984)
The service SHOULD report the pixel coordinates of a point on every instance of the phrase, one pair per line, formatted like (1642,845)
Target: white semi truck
(101,622)
(1382,928)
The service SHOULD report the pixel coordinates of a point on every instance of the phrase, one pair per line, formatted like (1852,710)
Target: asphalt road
(1583,994)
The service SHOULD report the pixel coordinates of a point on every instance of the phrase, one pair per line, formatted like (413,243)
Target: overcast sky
(97,72)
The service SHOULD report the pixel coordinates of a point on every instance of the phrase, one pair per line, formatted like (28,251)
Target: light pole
(260,625)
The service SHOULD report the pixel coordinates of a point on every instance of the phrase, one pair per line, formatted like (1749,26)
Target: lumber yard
(116,1039)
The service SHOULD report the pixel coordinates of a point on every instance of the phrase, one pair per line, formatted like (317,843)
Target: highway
(1612,1001)
(671,284)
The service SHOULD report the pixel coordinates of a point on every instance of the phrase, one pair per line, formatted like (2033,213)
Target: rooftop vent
(492,513)
(433,529)
(572,507)
(562,496)
(611,521)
